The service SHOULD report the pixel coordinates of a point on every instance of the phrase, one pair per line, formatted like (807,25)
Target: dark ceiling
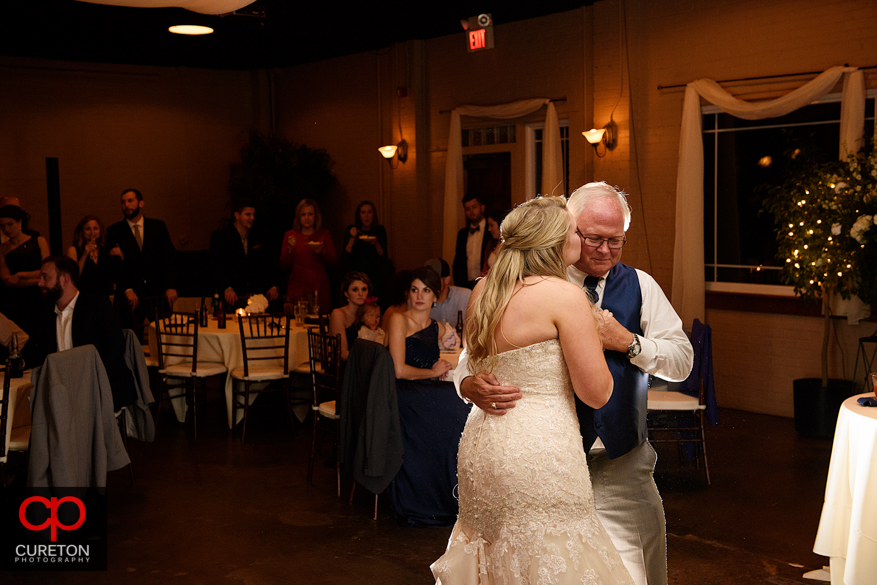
(291,32)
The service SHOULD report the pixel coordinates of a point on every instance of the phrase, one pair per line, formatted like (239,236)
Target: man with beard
(80,319)
(242,262)
(472,240)
(148,260)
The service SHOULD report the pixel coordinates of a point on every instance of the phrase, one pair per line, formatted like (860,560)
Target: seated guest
(414,335)
(98,265)
(11,200)
(242,262)
(494,221)
(369,319)
(20,258)
(398,297)
(451,299)
(80,318)
(342,321)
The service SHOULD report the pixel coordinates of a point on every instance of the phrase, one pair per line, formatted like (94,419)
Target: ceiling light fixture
(190,29)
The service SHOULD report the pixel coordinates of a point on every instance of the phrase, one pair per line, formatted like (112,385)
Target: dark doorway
(489,176)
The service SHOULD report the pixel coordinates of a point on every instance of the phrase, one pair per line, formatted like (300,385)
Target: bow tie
(474,230)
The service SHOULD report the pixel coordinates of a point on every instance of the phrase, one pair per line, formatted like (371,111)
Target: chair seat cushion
(19,440)
(205,369)
(260,373)
(659,400)
(304,368)
(327,409)
(151,362)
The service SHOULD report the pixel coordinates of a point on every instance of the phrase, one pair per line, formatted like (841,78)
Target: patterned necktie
(138,235)
(591,283)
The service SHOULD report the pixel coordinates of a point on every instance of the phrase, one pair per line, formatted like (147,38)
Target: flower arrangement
(256,304)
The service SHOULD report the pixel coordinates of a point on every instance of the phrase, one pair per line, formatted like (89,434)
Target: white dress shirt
(473,251)
(142,225)
(64,325)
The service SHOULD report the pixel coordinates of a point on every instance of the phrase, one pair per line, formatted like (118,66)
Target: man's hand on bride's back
(485,392)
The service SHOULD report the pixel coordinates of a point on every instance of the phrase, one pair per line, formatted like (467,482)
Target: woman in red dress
(307,249)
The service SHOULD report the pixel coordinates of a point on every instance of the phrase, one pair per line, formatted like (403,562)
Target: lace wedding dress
(526,506)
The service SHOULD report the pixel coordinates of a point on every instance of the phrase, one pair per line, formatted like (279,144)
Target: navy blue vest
(621,423)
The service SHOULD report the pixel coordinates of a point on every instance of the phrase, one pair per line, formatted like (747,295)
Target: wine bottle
(15,363)
(221,319)
(216,307)
(460,325)
(202,314)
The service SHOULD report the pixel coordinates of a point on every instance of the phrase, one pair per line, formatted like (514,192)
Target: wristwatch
(634,348)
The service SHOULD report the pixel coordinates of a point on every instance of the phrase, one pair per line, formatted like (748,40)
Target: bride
(526,506)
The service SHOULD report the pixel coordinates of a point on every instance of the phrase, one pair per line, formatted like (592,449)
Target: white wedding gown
(526,505)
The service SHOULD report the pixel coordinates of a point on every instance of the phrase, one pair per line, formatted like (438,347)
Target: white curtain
(688,261)
(202,6)
(552,164)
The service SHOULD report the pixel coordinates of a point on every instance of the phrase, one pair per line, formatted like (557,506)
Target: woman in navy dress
(96,267)
(21,257)
(431,413)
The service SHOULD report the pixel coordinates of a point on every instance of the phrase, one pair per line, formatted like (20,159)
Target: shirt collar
(69,306)
(131,224)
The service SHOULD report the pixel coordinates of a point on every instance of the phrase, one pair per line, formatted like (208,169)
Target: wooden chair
(16,439)
(324,357)
(178,338)
(265,347)
(688,428)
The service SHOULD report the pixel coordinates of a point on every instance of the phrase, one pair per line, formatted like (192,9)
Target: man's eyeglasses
(595,242)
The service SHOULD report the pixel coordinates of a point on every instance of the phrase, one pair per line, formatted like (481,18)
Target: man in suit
(81,319)
(641,335)
(148,260)
(242,262)
(472,240)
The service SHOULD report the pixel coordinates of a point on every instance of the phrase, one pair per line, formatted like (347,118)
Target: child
(369,316)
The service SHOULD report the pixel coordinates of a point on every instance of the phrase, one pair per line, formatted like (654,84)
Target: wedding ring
(493,404)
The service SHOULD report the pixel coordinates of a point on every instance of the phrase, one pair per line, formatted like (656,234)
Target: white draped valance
(552,163)
(688,258)
(202,6)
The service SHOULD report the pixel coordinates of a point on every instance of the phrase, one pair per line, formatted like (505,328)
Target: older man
(641,335)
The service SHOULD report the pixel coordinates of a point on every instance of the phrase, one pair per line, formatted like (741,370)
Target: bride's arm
(582,350)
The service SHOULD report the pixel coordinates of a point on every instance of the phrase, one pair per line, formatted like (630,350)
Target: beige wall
(173,133)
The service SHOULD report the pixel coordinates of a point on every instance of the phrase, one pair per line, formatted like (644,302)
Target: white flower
(839,186)
(835,229)
(256,304)
(860,227)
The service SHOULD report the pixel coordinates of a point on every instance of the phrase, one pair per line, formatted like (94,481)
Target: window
(535,185)
(742,160)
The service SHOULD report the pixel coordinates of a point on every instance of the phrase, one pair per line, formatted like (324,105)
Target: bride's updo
(533,238)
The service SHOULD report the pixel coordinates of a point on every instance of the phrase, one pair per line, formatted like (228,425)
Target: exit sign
(479,33)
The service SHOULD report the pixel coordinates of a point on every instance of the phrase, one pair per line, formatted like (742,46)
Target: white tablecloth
(224,346)
(19,404)
(848,526)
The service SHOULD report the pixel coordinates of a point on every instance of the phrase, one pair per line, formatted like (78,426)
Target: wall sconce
(607,136)
(400,151)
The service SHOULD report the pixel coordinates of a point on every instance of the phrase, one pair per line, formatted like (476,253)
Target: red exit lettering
(476,39)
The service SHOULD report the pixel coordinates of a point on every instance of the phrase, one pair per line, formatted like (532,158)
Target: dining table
(848,526)
(18,421)
(224,346)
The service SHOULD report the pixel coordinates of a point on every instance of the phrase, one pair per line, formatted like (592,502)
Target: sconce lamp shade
(594,136)
(388,151)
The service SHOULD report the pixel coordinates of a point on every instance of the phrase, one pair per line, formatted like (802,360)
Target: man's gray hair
(582,196)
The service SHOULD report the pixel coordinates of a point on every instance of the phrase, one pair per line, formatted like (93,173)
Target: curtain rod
(761,77)
(554,100)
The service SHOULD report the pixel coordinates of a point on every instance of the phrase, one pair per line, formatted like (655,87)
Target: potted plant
(826,242)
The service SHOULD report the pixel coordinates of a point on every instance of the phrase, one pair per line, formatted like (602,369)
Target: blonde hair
(534,235)
(318,217)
